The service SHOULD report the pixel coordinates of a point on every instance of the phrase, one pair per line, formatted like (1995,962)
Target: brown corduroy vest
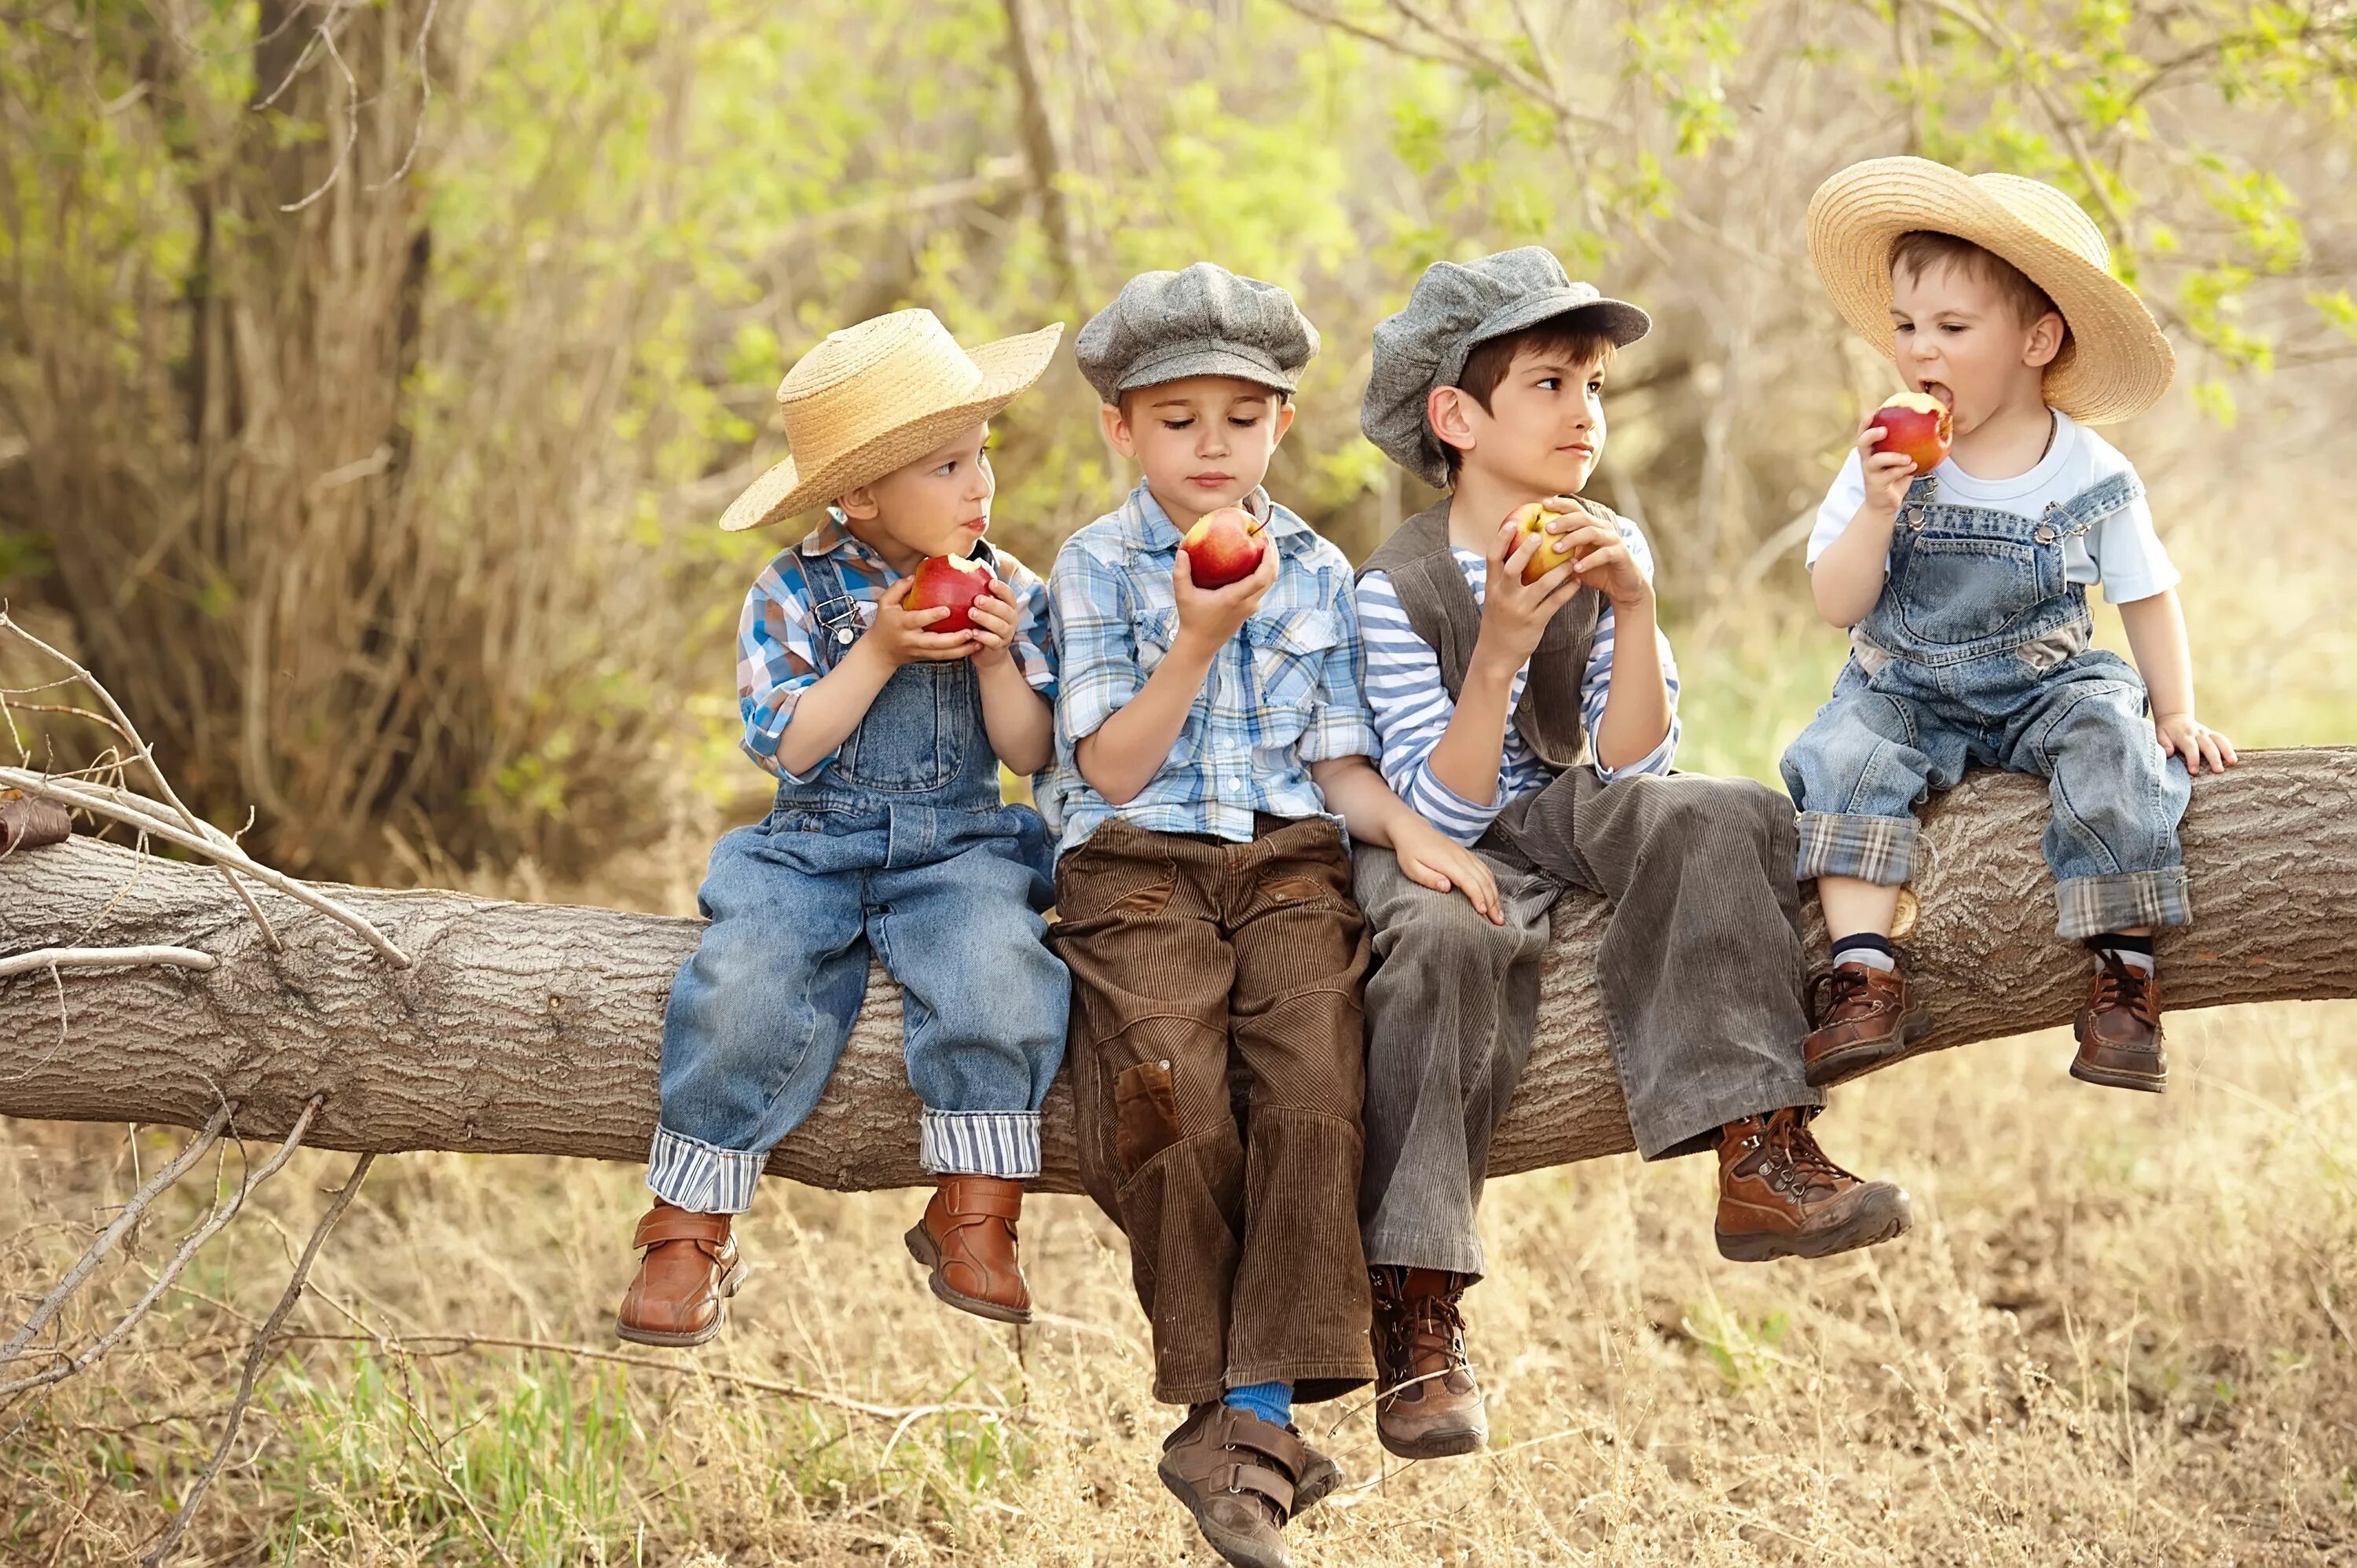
(1442,611)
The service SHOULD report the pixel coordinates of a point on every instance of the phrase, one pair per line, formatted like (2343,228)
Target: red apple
(1916,425)
(1554,549)
(1224,547)
(952,581)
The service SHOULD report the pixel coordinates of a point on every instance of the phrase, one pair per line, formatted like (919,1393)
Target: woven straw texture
(2118,363)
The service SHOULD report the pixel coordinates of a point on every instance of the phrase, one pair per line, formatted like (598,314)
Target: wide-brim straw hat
(2116,363)
(874,396)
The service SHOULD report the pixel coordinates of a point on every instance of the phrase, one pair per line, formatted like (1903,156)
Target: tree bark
(527,1028)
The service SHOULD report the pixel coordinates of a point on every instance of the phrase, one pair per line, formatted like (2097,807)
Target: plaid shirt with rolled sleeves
(777,635)
(1287,691)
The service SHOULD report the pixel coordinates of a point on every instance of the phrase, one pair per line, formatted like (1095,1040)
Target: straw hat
(874,396)
(2116,363)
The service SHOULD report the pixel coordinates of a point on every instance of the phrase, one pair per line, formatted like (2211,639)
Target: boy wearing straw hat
(886,731)
(1211,744)
(1964,590)
(1531,716)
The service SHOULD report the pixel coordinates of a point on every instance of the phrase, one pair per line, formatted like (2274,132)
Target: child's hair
(1918,251)
(1486,366)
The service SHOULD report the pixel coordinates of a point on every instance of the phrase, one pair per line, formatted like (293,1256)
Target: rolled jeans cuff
(1880,850)
(2121,900)
(979,1142)
(694,1176)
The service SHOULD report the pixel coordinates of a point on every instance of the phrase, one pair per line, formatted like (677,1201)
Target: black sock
(1866,948)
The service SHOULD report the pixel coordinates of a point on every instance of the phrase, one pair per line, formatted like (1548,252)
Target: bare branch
(425,99)
(258,1357)
(351,123)
(102,958)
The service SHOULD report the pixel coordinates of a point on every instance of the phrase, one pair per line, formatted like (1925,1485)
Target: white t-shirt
(2121,552)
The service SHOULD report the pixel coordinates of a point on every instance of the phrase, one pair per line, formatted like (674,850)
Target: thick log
(527,1028)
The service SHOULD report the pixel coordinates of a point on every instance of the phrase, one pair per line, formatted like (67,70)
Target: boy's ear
(1450,410)
(2045,340)
(1284,421)
(1115,426)
(859,503)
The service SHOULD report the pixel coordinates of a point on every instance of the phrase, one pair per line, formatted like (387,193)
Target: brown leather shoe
(1237,1475)
(2119,1029)
(1778,1196)
(689,1271)
(967,1238)
(1863,1019)
(1427,1405)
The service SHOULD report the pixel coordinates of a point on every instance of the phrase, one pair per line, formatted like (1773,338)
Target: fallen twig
(102,958)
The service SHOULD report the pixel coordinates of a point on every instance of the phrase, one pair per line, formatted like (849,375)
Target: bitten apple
(953,582)
(1916,425)
(1224,547)
(1553,550)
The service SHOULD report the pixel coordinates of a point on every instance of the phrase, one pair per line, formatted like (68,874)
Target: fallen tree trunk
(527,1028)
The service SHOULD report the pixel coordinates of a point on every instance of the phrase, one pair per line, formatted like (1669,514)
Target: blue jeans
(950,902)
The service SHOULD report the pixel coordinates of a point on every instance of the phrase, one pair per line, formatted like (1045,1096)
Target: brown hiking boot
(1427,1405)
(2119,1029)
(1778,1196)
(689,1271)
(1863,1019)
(1237,1475)
(967,1238)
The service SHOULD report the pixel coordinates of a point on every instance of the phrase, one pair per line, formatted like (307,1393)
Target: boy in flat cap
(886,731)
(1965,592)
(1531,716)
(1210,745)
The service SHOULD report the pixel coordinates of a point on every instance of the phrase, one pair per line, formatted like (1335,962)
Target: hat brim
(2118,363)
(1010,366)
(1621,322)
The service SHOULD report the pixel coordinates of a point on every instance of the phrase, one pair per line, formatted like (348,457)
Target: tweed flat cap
(1205,321)
(1456,306)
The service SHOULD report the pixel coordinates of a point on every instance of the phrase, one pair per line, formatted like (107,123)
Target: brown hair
(1486,366)
(1918,251)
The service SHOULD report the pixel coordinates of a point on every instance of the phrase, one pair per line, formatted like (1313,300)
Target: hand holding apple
(1212,616)
(1224,546)
(1916,426)
(953,582)
(1547,526)
(899,635)
(996,616)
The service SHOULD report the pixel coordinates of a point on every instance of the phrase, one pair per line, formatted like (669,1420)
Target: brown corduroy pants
(1218,1060)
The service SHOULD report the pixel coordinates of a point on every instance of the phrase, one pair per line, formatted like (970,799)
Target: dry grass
(2120,1333)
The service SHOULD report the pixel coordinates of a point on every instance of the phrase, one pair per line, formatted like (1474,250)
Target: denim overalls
(1977,654)
(899,844)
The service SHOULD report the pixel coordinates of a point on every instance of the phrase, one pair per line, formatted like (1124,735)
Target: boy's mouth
(1210,482)
(1939,391)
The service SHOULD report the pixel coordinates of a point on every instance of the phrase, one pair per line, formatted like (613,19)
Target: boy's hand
(1887,474)
(1603,563)
(2190,738)
(994,615)
(1514,612)
(898,633)
(1212,616)
(1436,861)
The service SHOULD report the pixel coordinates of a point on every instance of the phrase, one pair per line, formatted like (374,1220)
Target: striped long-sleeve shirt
(1411,708)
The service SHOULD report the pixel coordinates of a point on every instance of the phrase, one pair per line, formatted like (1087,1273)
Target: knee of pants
(2110,782)
(1442,935)
(1855,759)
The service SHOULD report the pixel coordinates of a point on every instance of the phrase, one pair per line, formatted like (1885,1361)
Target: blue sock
(1273,1402)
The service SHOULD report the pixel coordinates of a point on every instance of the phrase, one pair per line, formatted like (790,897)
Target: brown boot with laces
(1862,1020)
(967,1238)
(2119,1029)
(1780,1197)
(1427,1404)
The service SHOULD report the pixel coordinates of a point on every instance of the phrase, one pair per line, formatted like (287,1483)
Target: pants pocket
(1145,1115)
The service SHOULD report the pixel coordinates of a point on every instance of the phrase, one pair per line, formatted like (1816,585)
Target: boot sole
(1232,1549)
(922,1247)
(1866,1228)
(2150,1082)
(1319,1477)
(1851,1061)
(1450,1443)
(728,1283)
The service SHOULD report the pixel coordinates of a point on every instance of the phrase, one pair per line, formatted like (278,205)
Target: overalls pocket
(1956,587)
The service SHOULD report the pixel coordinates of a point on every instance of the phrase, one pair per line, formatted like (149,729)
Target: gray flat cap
(1457,306)
(1205,321)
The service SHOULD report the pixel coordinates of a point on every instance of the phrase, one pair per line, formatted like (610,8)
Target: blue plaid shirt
(1285,690)
(777,635)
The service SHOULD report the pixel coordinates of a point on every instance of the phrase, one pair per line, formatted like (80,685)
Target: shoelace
(1425,1328)
(1795,1148)
(2120,984)
(1828,991)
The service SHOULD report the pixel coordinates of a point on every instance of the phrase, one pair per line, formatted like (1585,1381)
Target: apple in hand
(1224,547)
(947,581)
(1553,550)
(1917,425)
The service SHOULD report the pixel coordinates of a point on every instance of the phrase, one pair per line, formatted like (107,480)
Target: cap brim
(2118,362)
(1213,361)
(1620,321)
(1010,367)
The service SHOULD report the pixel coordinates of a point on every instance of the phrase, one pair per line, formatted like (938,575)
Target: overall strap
(2093,505)
(832,606)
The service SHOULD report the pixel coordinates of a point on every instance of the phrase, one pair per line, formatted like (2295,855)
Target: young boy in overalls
(1965,591)
(1535,722)
(1211,744)
(889,833)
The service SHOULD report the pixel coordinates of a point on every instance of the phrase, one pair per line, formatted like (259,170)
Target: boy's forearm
(1637,701)
(1020,721)
(1355,793)
(1125,752)
(1473,749)
(1847,578)
(831,708)
(2164,657)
